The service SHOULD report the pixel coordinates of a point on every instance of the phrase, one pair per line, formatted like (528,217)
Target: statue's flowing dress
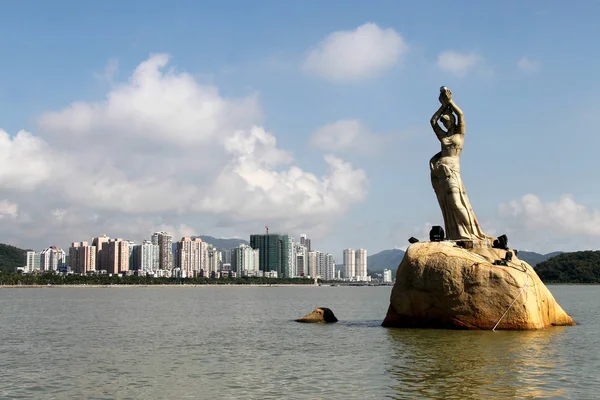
(459,219)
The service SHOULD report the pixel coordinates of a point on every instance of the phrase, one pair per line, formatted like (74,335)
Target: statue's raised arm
(446,98)
(435,119)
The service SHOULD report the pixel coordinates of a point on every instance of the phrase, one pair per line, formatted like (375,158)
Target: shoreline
(146,286)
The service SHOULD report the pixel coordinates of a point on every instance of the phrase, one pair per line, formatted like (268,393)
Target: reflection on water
(458,364)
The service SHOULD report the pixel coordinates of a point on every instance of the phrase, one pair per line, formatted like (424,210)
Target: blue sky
(351,80)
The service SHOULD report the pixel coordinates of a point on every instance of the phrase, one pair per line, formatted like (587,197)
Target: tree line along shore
(580,267)
(45,279)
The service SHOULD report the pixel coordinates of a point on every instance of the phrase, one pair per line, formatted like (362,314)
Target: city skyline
(267,254)
(302,239)
(209,118)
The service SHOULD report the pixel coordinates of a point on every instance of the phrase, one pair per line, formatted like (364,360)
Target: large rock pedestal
(441,285)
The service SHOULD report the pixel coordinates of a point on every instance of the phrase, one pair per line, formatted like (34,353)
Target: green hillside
(11,257)
(576,267)
(386,259)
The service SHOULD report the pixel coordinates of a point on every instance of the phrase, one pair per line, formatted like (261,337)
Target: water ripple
(242,343)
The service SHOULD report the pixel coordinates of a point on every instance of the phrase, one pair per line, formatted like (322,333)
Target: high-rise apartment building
(292,267)
(355,265)
(145,258)
(312,264)
(301,260)
(361,265)
(32,261)
(245,260)
(325,265)
(190,255)
(305,241)
(116,253)
(274,253)
(101,260)
(164,241)
(321,264)
(52,259)
(82,258)
(387,275)
(349,264)
(215,259)
(226,254)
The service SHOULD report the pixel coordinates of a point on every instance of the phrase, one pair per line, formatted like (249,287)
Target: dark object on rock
(320,315)
(501,243)
(413,240)
(439,285)
(437,234)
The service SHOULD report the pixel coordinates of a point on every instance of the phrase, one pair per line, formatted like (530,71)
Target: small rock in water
(320,315)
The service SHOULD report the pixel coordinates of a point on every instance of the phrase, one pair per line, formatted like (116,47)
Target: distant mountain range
(219,243)
(222,244)
(376,263)
(386,259)
(11,257)
(390,259)
(533,258)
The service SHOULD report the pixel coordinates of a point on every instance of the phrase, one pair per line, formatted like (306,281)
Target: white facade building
(245,260)
(312,264)
(349,264)
(355,265)
(361,265)
(324,265)
(387,275)
(52,259)
(32,261)
(301,260)
(292,262)
(145,258)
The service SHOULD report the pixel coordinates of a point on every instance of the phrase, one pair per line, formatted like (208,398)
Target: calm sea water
(242,343)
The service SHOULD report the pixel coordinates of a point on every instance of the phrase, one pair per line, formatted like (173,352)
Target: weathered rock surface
(320,315)
(440,285)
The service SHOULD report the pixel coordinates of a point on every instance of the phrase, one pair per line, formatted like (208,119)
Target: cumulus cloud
(347,135)
(163,150)
(363,53)
(528,65)
(457,63)
(565,215)
(24,161)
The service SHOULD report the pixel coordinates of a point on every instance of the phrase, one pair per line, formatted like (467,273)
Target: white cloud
(528,65)
(348,134)
(163,150)
(363,53)
(25,161)
(565,216)
(458,64)
(8,209)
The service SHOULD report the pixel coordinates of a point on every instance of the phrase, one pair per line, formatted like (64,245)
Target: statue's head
(448,120)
